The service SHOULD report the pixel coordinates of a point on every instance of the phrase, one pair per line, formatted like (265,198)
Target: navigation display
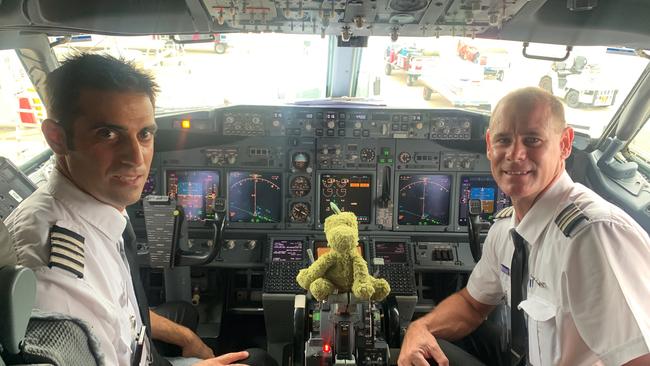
(391,252)
(254,197)
(484,188)
(349,192)
(286,250)
(423,200)
(195,191)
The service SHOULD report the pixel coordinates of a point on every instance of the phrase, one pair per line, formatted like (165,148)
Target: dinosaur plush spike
(342,269)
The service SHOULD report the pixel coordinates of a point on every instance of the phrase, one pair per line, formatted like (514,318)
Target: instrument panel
(280,167)
(405,173)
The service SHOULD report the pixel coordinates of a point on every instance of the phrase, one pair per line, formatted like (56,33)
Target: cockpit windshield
(272,68)
(444,72)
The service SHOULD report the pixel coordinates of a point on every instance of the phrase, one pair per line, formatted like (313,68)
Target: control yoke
(475,226)
(167,233)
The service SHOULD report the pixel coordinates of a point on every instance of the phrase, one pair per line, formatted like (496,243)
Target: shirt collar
(105,218)
(543,211)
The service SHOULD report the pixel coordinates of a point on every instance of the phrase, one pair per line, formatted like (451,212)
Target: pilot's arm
(456,316)
(165,330)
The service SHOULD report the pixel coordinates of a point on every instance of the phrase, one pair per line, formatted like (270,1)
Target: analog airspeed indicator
(300,186)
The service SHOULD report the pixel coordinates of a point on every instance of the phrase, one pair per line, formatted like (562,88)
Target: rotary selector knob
(251,244)
(404,157)
(230,244)
(331,124)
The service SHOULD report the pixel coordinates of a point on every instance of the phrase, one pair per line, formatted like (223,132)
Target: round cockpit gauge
(300,212)
(300,186)
(300,161)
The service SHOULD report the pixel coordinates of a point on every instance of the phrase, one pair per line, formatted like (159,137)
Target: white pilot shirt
(104,296)
(587,292)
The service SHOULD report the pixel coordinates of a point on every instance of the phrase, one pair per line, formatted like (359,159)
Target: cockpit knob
(232,159)
(230,244)
(251,244)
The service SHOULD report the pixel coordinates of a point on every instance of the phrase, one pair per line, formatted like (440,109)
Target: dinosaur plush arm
(360,269)
(317,270)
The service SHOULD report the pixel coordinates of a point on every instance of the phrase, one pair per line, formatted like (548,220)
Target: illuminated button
(185,124)
(382,161)
(390,160)
(385,151)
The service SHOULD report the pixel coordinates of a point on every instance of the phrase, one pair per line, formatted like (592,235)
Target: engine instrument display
(254,197)
(424,199)
(195,191)
(391,252)
(286,250)
(350,192)
(484,188)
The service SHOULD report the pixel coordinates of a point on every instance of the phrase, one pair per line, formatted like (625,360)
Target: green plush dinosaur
(342,268)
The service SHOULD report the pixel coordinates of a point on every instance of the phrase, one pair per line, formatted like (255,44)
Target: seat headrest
(7,252)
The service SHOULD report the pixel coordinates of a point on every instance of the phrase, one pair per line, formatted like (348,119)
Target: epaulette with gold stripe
(67,250)
(506,212)
(569,219)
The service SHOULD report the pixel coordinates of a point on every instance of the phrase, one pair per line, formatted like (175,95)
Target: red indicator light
(327,348)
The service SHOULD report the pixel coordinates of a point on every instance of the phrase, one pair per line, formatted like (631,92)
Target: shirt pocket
(542,330)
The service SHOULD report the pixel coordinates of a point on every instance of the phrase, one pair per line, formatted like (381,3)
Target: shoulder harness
(67,250)
(506,212)
(569,218)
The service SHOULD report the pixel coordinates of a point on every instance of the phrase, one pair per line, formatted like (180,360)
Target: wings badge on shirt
(67,250)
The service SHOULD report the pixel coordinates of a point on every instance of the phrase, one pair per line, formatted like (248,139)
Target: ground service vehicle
(579,85)
(301,114)
(409,59)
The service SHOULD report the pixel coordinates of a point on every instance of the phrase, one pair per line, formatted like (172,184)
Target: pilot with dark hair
(571,267)
(74,232)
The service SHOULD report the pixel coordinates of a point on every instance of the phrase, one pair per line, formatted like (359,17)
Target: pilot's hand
(196,348)
(224,360)
(418,346)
